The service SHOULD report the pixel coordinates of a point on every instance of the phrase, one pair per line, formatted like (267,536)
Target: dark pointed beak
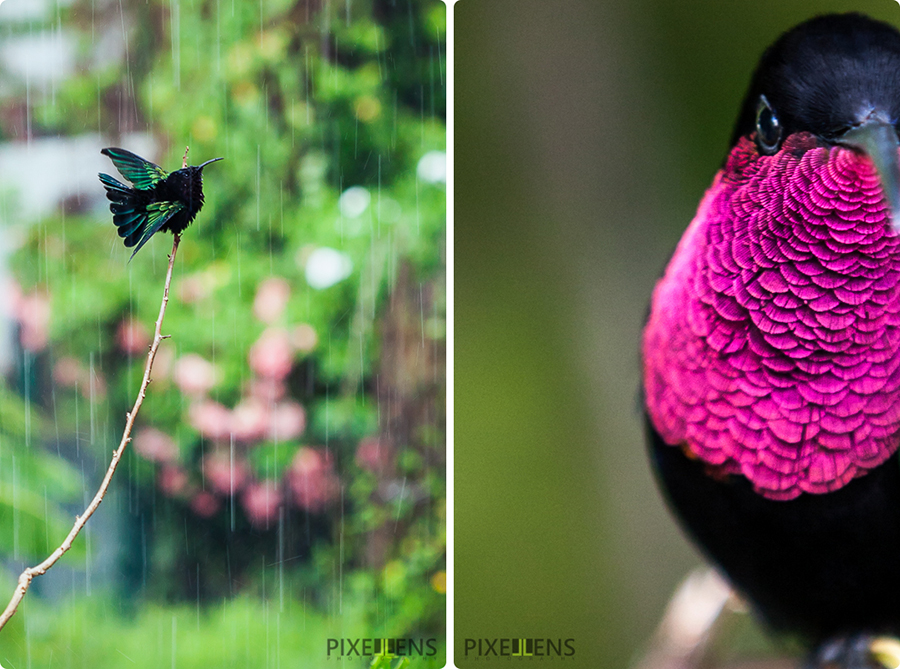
(878,138)
(199,167)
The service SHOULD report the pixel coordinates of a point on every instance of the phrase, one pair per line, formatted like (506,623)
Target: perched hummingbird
(158,201)
(771,356)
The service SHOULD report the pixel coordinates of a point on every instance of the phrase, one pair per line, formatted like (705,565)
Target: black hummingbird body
(159,201)
(772,434)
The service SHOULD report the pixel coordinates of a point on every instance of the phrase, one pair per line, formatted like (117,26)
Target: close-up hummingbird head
(836,77)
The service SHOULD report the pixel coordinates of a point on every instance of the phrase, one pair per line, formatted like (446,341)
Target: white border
(450,46)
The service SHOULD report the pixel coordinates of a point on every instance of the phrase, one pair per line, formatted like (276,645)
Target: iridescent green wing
(158,214)
(141,173)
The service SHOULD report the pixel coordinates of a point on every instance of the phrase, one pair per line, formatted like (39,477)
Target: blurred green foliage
(33,485)
(320,391)
(244,632)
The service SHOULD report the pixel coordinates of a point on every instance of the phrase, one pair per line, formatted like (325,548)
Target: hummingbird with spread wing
(159,200)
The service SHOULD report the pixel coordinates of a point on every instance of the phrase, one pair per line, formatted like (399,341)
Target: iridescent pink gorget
(773,346)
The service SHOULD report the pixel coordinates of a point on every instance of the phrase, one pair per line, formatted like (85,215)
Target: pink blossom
(132,337)
(205,504)
(272,355)
(93,385)
(68,372)
(211,419)
(172,480)
(12,293)
(250,420)
(155,445)
(34,317)
(271,298)
(288,422)
(312,479)
(194,288)
(194,375)
(374,454)
(266,390)
(222,476)
(162,366)
(304,337)
(261,502)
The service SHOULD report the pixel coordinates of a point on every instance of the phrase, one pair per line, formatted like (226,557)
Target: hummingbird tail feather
(129,212)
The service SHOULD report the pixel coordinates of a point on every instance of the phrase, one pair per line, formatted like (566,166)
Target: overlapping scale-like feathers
(773,346)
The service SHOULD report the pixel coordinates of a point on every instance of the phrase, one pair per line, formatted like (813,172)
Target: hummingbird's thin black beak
(200,167)
(878,138)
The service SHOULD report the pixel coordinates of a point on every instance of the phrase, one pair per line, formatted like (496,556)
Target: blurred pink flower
(172,480)
(194,375)
(155,445)
(266,390)
(272,355)
(271,298)
(205,504)
(304,337)
(221,476)
(93,385)
(211,419)
(132,337)
(34,317)
(374,454)
(194,288)
(312,479)
(288,421)
(250,420)
(162,366)
(68,372)
(12,293)
(261,502)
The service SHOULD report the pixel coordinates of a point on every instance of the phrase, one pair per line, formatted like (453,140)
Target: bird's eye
(768,129)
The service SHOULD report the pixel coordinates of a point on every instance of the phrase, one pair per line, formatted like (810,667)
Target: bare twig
(26,577)
(683,635)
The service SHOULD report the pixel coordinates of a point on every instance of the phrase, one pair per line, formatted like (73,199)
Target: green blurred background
(585,136)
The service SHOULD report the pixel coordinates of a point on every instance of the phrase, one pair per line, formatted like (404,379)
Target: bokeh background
(285,484)
(585,135)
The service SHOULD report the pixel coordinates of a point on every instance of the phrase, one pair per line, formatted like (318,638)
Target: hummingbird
(159,200)
(771,355)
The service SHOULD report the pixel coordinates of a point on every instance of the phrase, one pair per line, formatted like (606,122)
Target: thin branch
(28,575)
(688,625)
